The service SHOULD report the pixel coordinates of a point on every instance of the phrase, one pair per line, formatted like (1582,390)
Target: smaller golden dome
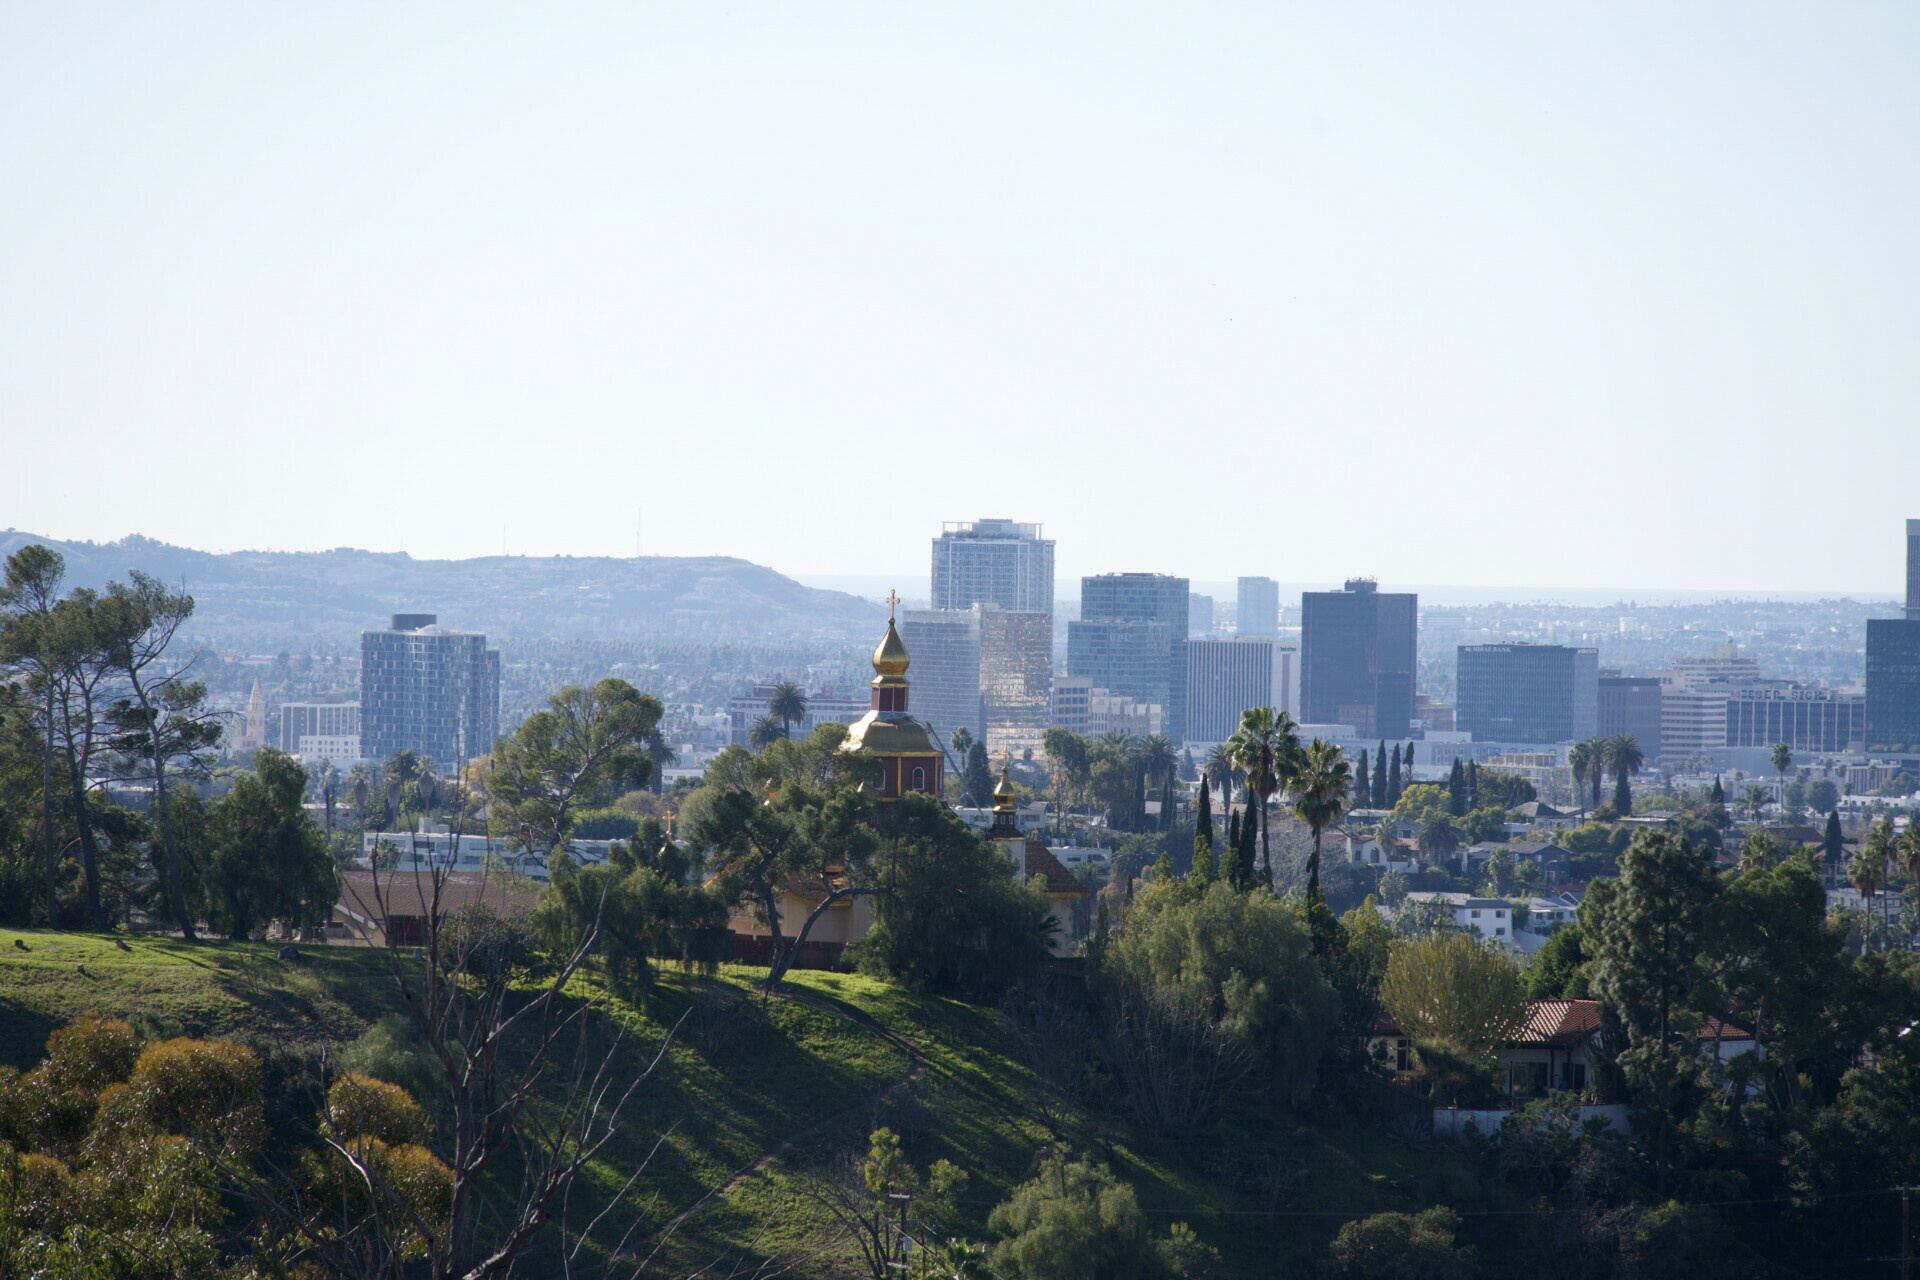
(1004,796)
(890,656)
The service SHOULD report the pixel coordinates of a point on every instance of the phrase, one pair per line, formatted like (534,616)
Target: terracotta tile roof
(1562,1023)
(1715,1029)
(1060,882)
(407,893)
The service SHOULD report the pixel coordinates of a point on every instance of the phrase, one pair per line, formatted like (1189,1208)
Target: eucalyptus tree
(163,720)
(27,602)
(1266,748)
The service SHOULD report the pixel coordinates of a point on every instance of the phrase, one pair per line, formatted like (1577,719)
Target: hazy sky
(1588,295)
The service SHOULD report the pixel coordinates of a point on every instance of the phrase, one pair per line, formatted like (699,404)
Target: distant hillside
(321,596)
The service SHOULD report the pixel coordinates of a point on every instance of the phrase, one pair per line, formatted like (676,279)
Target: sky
(1546,295)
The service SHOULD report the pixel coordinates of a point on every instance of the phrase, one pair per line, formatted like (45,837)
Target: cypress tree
(1832,844)
(1231,862)
(1362,788)
(1457,789)
(1380,776)
(1473,785)
(1622,795)
(1203,840)
(1393,782)
(1249,840)
(1409,763)
(1719,793)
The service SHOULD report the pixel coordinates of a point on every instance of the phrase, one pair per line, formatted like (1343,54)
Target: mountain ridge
(281,596)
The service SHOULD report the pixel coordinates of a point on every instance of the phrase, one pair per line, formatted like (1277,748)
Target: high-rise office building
(317,720)
(1357,658)
(1224,678)
(997,562)
(945,644)
(1806,718)
(426,689)
(1132,639)
(1257,609)
(1630,705)
(1893,667)
(1016,678)
(1199,614)
(1527,692)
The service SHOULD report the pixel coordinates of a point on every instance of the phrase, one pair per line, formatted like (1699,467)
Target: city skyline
(1398,281)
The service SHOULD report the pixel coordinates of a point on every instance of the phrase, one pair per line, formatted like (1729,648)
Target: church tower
(910,759)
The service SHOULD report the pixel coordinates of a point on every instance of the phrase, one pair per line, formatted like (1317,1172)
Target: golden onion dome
(1004,795)
(890,656)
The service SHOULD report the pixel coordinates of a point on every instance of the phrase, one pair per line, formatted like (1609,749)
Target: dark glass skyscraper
(1527,692)
(1893,667)
(1357,650)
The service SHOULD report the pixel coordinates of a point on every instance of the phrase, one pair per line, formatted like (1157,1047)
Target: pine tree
(1362,787)
(1457,789)
(1203,841)
(1393,782)
(1380,776)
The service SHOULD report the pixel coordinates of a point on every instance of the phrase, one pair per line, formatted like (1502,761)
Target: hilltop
(316,597)
(754,1095)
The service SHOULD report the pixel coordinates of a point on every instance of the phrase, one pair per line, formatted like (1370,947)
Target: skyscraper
(1357,650)
(945,644)
(1630,705)
(1893,667)
(1224,678)
(1527,692)
(427,689)
(1016,678)
(993,562)
(1258,608)
(1132,639)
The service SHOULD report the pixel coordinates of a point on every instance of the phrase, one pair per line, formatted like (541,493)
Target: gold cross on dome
(892,599)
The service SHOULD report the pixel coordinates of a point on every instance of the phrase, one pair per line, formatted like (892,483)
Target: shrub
(1402,1246)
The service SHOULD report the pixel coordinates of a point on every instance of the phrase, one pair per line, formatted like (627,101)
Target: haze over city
(651,640)
(1485,294)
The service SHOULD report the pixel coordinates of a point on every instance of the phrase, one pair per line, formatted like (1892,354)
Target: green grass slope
(751,1095)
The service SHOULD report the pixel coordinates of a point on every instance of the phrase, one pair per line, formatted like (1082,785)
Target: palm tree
(1266,748)
(1875,858)
(1158,757)
(1580,761)
(764,732)
(1322,783)
(961,741)
(1782,758)
(1222,773)
(660,754)
(1438,839)
(1756,800)
(1624,758)
(789,703)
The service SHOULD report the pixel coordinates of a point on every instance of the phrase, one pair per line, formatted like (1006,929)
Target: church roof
(879,734)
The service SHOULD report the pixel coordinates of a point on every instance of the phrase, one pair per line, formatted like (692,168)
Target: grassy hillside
(753,1094)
